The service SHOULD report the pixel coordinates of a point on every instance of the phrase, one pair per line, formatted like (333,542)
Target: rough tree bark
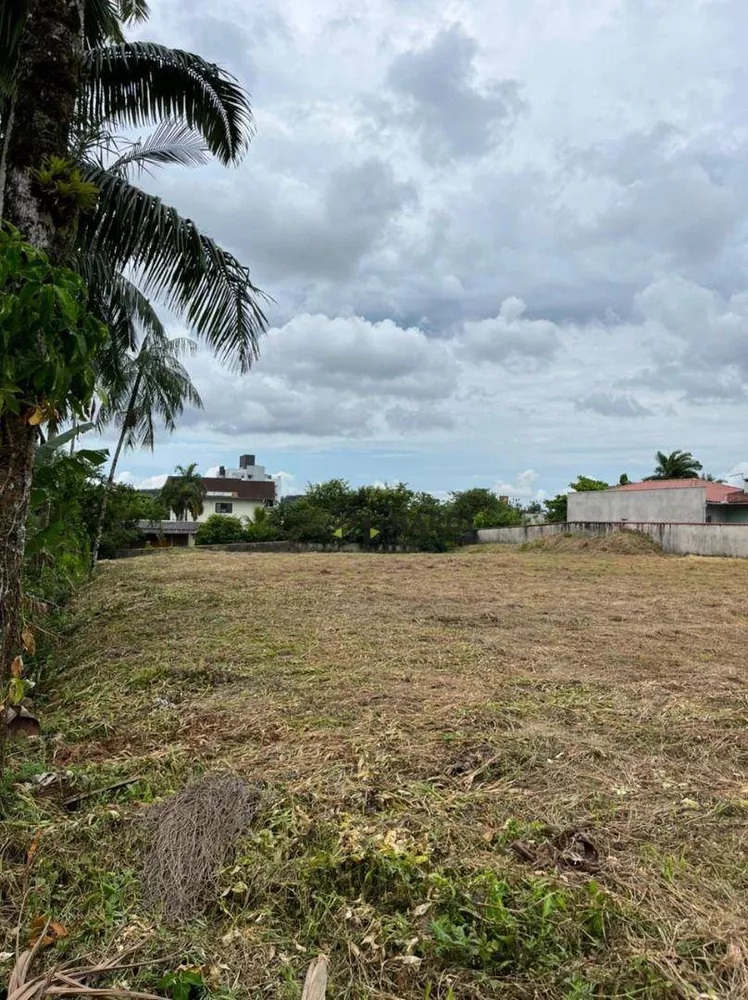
(42,111)
(17,444)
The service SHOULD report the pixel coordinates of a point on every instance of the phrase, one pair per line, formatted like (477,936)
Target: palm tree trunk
(17,445)
(110,478)
(42,110)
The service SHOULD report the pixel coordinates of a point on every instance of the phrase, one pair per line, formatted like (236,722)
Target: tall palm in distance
(677,465)
(151,386)
(184,493)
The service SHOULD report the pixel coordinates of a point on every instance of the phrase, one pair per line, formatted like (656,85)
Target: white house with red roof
(664,501)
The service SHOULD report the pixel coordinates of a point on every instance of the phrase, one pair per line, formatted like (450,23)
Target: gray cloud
(442,99)
(409,420)
(610,405)
(353,354)
(342,377)
(510,338)
(680,211)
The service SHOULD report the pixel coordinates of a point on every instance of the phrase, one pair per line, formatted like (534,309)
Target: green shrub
(220,529)
(261,531)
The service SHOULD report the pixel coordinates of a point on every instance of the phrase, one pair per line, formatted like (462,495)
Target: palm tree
(128,245)
(677,465)
(185,492)
(151,384)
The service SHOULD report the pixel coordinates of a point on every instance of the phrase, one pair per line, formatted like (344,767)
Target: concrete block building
(674,501)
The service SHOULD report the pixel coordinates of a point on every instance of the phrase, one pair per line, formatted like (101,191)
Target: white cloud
(509,337)
(151,482)
(286,483)
(523,488)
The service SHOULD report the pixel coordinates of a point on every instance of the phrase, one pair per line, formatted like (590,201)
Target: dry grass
(621,543)
(546,747)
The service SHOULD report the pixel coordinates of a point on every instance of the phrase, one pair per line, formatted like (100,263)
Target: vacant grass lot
(490,773)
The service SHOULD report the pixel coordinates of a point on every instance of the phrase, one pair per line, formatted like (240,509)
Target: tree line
(378,517)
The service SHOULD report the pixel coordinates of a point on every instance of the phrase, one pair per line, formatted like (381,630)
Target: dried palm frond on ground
(66,981)
(189,837)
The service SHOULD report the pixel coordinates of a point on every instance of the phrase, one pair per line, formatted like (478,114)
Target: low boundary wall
(680,539)
(239,547)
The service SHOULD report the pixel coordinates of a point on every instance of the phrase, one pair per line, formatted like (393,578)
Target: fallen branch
(73,801)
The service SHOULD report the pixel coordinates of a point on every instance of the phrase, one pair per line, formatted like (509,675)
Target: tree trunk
(42,109)
(105,499)
(17,445)
(126,425)
(47,82)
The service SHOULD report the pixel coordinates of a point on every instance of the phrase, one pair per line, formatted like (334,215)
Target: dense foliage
(48,336)
(221,529)
(63,520)
(67,184)
(388,516)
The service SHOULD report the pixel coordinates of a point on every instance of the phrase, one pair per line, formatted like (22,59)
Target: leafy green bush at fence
(223,529)
(220,529)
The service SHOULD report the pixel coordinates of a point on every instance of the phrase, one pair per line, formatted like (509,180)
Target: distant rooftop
(715,492)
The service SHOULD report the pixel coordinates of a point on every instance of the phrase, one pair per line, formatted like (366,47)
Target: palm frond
(113,295)
(12,18)
(172,142)
(154,385)
(133,11)
(138,82)
(12,23)
(170,258)
(102,23)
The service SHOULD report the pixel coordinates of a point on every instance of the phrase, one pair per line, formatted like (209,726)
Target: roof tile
(715,492)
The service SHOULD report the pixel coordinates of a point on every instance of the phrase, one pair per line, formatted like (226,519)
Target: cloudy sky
(506,240)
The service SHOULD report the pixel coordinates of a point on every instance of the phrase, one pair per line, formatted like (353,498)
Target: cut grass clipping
(188,840)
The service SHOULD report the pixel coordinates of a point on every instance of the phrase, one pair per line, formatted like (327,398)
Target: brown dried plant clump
(189,837)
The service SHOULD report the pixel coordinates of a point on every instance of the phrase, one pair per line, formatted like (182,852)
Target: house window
(224,508)
(708,518)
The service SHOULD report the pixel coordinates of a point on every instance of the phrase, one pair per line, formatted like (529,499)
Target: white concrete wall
(242,508)
(680,539)
(685,505)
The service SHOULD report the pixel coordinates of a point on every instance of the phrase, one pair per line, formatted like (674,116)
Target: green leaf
(172,142)
(16,690)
